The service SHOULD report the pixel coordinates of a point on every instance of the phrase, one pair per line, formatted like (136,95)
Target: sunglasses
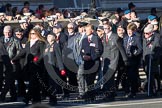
(98,30)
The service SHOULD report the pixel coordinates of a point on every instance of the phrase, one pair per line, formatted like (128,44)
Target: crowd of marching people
(78,52)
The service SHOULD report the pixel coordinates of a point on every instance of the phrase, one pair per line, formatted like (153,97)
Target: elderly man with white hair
(151,54)
(12,47)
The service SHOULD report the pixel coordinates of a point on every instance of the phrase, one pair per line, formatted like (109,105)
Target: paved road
(141,101)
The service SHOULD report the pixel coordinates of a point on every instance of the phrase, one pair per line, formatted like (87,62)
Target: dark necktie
(129,42)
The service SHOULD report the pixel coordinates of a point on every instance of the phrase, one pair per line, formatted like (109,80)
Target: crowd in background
(120,44)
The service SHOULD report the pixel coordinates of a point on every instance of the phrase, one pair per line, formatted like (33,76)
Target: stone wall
(33,3)
(143,7)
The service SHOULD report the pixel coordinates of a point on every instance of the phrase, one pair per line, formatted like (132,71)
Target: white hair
(7,28)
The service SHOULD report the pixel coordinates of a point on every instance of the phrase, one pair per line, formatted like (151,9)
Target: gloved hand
(86,57)
(63,72)
(129,54)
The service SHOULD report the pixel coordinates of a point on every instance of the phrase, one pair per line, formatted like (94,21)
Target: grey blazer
(13,47)
(111,51)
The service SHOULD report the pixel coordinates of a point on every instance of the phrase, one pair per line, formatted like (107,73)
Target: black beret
(82,24)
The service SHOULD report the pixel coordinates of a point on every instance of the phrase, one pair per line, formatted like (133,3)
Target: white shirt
(32,42)
(90,37)
(6,40)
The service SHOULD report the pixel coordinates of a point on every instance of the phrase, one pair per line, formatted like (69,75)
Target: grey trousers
(81,80)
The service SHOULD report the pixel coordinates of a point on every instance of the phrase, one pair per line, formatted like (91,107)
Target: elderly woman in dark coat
(54,66)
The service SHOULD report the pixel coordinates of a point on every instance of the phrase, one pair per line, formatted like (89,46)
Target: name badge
(92,44)
(82,50)
(51,49)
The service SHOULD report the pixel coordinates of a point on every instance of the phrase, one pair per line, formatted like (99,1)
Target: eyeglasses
(147,33)
(32,33)
(70,27)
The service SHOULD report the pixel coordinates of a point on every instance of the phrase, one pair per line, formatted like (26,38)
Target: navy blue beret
(151,17)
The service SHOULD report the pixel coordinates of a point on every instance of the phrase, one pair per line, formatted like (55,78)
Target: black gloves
(86,58)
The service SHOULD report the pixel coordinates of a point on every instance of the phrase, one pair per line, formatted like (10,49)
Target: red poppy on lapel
(63,72)
(35,59)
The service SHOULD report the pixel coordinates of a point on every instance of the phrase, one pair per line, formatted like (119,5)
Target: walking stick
(149,74)
(101,77)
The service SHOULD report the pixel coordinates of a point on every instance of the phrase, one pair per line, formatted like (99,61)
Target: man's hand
(86,57)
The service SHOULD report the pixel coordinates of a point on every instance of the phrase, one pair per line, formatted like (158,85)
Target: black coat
(134,48)
(30,67)
(30,52)
(3,54)
(23,42)
(94,49)
(54,55)
(62,39)
(67,53)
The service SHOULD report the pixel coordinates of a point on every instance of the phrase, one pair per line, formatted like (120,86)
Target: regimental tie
(57,38)
(129,41)
(107,39)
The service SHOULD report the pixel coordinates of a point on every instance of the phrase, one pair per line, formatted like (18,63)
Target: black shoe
(52,103)
(2,99)
(109,96)
(89,99)
(108,99)
(43,98)
(130,95)
(36,102)
(153,95)
(53,100)
(21,94)
(13,100)
(65,96)
(80,97)
(26,101)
